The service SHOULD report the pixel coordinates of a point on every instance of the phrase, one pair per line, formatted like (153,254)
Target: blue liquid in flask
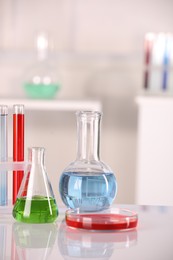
(88,191)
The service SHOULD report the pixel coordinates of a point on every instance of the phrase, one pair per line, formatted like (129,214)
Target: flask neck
(36,155)
(88,130)
(42,45)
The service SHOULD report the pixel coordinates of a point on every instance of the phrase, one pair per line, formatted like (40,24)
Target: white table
(152,239)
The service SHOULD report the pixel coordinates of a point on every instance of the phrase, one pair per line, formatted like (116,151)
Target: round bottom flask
(88,183)
(35,201)
(41,80)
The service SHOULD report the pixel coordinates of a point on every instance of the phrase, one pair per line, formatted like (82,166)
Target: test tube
(18,146)
(148,46)
(3,155)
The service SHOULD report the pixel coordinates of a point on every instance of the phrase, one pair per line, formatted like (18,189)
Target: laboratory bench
(151,239)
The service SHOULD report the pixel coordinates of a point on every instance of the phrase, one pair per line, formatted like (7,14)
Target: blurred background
(97,52)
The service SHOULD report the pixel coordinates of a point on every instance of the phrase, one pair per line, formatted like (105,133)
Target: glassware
(3,155)
(18,146)
(41,80)
(88,183)
(35,201)
(109,219)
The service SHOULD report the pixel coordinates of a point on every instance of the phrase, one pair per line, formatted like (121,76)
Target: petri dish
(109,219)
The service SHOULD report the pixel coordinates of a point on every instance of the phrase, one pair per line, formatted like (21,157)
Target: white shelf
(154,100)
(13,55)
(54,105)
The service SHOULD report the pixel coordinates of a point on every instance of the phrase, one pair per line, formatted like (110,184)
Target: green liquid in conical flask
(39,209)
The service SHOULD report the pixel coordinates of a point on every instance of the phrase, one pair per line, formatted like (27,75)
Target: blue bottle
(88,183)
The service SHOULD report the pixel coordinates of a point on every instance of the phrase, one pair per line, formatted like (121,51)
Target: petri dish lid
(109,219)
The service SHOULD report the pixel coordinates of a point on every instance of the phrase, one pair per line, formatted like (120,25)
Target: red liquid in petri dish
(105,221)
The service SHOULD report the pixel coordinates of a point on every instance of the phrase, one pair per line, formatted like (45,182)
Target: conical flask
(88,183)
(35,201)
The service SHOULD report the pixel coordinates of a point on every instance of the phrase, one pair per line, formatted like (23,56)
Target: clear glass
(35,201)
(109,219)
(88,183)
(3,155)
(41,81)
(18,145)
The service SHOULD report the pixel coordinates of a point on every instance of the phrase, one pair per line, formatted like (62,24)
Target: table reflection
(83,244)
(2,241)
(33,241)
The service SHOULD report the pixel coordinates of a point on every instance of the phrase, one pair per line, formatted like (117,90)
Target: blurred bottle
(41,80)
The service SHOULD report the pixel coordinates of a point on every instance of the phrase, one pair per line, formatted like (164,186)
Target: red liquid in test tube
(18,146)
